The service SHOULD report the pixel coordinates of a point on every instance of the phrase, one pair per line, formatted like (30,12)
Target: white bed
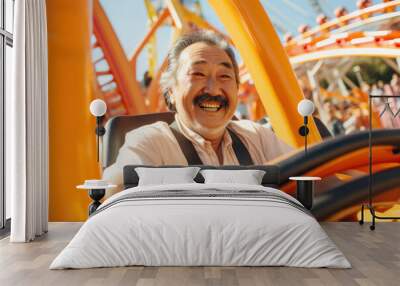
(224,225)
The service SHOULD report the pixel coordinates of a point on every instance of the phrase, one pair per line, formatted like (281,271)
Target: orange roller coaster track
(120,90)
(377,43)
(339,22)
(386,39)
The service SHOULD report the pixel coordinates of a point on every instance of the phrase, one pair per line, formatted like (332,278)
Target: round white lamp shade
(98,107)
(305,107)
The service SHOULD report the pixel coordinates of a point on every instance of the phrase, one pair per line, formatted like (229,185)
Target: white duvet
(183,231)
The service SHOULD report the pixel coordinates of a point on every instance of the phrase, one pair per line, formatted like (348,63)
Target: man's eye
(226,76)
(197,74)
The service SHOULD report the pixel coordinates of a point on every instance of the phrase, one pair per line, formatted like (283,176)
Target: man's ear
(170,100)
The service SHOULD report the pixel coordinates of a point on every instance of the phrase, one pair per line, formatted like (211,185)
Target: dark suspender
(241,152)
(186,146)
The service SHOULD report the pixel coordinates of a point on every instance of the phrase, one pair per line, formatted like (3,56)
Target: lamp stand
(370,205)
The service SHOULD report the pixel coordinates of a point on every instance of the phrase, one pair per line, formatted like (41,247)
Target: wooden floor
(375,257)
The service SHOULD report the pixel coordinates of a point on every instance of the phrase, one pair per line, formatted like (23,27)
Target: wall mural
(180,88)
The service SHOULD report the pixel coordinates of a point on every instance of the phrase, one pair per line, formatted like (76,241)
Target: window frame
(6,39)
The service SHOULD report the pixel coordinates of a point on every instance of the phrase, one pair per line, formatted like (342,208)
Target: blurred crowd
(350,114)
(341,114)
(344,117)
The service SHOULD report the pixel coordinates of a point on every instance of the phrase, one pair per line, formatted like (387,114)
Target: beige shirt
(155,144)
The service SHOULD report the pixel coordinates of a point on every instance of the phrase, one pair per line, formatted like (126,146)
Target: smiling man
(201,86)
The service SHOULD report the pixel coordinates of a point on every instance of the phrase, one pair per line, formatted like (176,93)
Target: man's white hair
(168,77)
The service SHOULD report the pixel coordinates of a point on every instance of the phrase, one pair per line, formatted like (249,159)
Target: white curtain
(27,124)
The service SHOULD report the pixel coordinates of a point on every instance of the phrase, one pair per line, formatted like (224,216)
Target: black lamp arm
(100,131)
(303,131)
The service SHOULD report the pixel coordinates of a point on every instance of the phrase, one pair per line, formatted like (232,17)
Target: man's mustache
(208,97)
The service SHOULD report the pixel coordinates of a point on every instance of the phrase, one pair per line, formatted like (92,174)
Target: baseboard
(5,231)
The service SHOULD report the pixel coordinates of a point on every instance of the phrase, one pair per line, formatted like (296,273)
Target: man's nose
(212,87)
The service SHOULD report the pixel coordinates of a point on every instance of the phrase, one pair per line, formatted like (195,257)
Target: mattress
(201,225)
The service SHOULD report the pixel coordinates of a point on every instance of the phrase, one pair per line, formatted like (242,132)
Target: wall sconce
(305,108)
(98,108)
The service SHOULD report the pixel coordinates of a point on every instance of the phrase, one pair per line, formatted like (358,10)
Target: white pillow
(248,177)
(163,176)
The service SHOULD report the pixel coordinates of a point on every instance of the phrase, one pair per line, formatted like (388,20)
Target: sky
(129,18)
